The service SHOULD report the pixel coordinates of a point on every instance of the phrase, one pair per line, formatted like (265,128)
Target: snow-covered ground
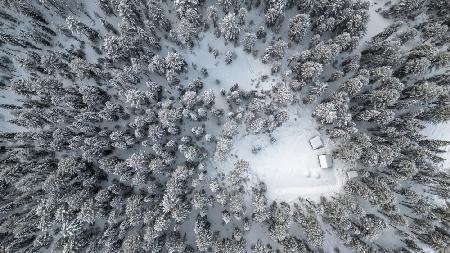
(289,166)
(440,132)
(8,97)
(245,69)
(377,23)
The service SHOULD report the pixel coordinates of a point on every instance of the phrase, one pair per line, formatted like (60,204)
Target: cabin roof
(325,161)
(316,142)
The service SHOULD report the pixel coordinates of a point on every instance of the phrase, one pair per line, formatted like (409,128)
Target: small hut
(316,142)
(325,161)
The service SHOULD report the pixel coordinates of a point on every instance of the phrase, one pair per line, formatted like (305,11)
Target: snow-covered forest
(226,126)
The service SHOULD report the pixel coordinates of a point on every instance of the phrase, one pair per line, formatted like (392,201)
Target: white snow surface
(245,69)
(440,132)
(377,23)
(10,98)
(289,167)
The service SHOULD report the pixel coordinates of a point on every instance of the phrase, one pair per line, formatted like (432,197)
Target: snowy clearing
(377,23)
(290,167)
(245,69)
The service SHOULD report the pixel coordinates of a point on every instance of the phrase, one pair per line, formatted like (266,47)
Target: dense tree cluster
(117,134)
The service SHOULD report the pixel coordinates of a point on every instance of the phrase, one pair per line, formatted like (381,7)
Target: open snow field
(289,166)
(244,70)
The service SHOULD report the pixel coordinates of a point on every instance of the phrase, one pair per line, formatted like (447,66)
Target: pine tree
(298,27)
(275,51)
(203,234)
(212,14)
(259,247)
(436,114)
(275,12)
(249,41)
(229,6)
(259,204)
(229,27)
(279,221)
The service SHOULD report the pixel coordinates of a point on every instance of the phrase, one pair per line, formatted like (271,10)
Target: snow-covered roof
(352,174)
(325,161)
(316,142)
